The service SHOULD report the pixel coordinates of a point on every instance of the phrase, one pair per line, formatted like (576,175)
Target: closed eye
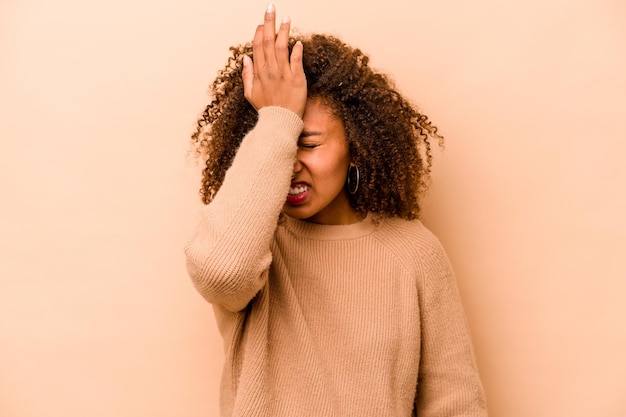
(305,140)
(307,145)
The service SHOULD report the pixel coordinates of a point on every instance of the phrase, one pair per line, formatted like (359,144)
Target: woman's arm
(229,254)
(449,384)
(229,251)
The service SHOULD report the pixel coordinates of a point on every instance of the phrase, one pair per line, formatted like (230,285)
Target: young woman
(331,296)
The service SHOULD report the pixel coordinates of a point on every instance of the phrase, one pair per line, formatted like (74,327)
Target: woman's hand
(274,79)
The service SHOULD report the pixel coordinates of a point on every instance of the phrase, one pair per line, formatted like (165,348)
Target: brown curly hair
(388,138)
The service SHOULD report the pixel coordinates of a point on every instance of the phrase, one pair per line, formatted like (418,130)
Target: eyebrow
(306,134)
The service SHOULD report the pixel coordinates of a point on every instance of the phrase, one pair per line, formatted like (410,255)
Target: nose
(297,167)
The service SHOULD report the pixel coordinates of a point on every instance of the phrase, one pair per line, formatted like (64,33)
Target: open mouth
(298,192)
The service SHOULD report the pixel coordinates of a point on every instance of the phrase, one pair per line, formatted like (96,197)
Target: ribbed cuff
(280,119)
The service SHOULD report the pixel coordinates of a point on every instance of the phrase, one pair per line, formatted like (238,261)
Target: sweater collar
(316,231)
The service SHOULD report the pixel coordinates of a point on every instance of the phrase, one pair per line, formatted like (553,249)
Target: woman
(331,297)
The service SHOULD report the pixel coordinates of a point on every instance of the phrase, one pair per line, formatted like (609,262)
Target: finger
(257,49)
(297,69)
(269,38)
(247,74)
(282,45)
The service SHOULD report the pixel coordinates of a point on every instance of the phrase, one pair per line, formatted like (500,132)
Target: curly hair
(388,138)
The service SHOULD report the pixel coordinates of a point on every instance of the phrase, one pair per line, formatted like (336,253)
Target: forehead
(320,116)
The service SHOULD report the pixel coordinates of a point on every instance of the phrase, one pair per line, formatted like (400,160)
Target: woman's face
(317,193)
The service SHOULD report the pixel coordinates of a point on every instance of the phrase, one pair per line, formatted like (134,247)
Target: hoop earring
(352,189)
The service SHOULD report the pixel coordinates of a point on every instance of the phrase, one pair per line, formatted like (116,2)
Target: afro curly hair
(389,140)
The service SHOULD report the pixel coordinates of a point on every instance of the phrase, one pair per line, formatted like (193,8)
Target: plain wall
(97,315)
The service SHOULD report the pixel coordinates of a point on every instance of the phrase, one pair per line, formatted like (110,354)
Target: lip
(297,199)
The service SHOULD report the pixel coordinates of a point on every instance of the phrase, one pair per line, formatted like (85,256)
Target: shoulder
(414,243)
(411,235)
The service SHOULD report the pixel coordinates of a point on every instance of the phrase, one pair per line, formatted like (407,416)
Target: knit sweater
(357,320)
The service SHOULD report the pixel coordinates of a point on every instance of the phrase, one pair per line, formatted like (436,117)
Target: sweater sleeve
(448,383)
(228,255)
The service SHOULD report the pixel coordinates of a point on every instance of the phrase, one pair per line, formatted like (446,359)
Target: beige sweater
(351,320)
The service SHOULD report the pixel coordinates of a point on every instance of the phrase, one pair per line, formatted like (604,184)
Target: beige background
(97,315)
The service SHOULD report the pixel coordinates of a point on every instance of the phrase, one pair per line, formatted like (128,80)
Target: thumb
(247,74)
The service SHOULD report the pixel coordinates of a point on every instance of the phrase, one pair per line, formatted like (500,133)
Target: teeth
(300,188)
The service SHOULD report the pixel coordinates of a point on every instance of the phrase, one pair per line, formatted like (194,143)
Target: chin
(294,214)
(299,213)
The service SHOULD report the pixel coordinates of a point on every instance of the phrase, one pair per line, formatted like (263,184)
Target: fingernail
(246,60)
(270,8)
(286,19)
